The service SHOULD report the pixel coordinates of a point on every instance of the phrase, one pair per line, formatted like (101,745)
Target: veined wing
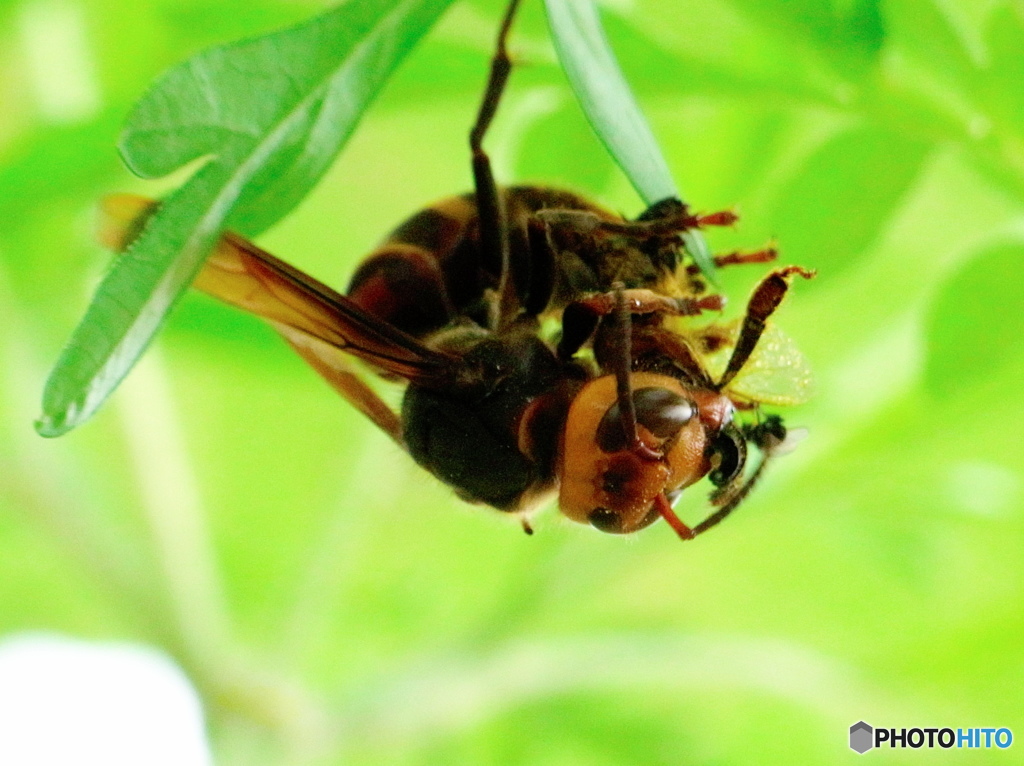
(303,309)
(777,372)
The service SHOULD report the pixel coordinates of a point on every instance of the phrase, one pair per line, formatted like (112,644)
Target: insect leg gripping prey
(615,411)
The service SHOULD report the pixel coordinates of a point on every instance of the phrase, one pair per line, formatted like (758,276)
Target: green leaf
(266,116)
(606,99)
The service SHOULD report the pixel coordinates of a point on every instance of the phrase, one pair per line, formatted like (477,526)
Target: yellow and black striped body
(494,438)
(432,270)
(496,409)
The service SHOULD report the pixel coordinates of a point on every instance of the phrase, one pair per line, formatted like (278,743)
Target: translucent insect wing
(777,373)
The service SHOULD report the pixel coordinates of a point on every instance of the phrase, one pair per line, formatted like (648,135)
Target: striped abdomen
(431,269)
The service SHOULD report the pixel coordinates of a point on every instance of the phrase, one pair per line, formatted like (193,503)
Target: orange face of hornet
(620,487)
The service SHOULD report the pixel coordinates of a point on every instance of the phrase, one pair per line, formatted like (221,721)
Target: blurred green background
(335,604)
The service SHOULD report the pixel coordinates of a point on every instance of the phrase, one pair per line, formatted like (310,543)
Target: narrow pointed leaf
(267,116)
(606,99)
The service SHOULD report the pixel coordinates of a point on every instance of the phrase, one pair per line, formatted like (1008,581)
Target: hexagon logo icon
(862,737)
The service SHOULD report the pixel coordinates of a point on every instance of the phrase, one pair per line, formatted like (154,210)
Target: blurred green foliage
(333,603)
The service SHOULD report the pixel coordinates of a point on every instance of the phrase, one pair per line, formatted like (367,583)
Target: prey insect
(617,413)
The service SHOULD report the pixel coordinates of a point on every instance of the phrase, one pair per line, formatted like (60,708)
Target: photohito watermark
(864,737)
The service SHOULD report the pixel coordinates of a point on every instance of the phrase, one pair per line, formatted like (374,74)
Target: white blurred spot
(60,66)
(66,701)
(984,489)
